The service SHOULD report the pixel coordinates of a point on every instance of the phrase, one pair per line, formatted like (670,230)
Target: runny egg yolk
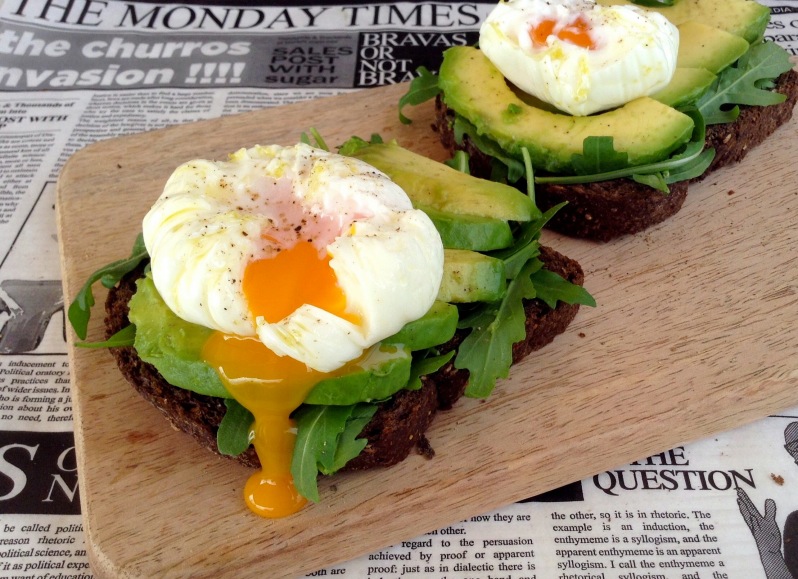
(271,387)
(577,32)
(295,276)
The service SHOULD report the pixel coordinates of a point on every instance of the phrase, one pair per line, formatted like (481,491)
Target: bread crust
(399,425)
(609,209)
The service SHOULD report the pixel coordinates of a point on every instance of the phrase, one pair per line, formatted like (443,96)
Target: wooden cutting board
(696,331)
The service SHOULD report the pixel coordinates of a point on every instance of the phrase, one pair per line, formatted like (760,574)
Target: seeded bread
(399,425)
(606,210)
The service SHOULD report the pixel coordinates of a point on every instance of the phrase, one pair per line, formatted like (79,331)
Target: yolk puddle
(271,387)
(576,32)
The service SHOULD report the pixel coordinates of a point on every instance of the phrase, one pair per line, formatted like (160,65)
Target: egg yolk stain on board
(271,387)
(577,32)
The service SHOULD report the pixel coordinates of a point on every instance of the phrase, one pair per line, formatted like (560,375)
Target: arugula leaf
(529,171)
(426,365)
(318,140)
(526,245)
(320,429)
(653,180)
(745,83)
(598,156)
(354,144)
(79,311)
(551,288)
(232,438)
(692,170)
(691,162)
(515,257)
(653,3)
(349,445)
(515,168)
(687,161)
(314,424)
(422,88)
(459,162)
(487,351)
(124,337)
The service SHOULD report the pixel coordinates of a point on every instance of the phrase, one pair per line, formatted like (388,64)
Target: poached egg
(301,261)
(579,56)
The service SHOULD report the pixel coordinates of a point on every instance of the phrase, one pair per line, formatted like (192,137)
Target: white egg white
(634,55)
(211,220)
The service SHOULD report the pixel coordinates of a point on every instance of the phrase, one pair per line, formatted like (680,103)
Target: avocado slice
(469,276)
(644,128)
(174,347)
(686,86)
(434,328)
(745,18)
(469,213)
(383,372)
(470,231)
(433,185)
(171,344)
(702,46)
(704,51)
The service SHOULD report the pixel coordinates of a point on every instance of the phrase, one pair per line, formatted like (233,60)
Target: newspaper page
(72,73)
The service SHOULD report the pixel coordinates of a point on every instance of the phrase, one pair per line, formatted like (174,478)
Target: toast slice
(398,426)
(605,210)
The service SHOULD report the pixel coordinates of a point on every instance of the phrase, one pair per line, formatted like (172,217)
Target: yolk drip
(271,388)
(277,286)
(576,32)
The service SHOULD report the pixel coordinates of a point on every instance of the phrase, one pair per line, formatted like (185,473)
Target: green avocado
(469,213)
(434,328)
(686,87)
(644,128)
(470,231)
(745,18)
(704,51)
(174,347)
(703,46)
(433,185)
(469,277)
(171,344)
(383,372)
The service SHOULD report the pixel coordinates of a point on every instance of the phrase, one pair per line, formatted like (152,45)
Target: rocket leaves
(79,311)
(232,438)
(326,441)
(598,156)
(654,3)
(745,83)
(487,352)
(124,337)
(422,88)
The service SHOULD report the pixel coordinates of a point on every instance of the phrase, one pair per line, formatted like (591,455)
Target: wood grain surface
(696,331)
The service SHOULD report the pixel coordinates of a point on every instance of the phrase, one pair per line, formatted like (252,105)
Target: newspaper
(72,73)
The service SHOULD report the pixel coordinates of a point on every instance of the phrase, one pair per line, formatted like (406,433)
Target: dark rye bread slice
(399,424)
(732,141)
(606,210)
